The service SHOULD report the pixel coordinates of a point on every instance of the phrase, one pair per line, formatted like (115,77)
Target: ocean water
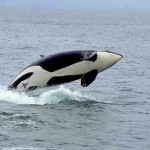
(113,113)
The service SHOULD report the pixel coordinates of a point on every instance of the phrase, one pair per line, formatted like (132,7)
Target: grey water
(113,113)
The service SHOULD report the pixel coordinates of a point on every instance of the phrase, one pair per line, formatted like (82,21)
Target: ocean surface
(113,113)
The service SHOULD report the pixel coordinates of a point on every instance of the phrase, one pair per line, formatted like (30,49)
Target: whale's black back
(61,60)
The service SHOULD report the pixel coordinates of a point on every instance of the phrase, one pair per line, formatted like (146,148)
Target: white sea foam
(50,97)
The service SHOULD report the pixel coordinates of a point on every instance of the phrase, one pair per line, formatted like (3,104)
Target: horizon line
(71,9)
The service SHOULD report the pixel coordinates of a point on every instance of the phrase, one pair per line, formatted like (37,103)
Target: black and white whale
(64,67)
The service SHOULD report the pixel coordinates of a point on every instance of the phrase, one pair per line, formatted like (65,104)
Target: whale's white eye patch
(24,77)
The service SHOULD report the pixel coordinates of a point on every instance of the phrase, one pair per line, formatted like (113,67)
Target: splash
(49,97)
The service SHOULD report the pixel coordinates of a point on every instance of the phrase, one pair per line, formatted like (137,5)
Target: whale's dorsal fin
(88,78)
(42,55)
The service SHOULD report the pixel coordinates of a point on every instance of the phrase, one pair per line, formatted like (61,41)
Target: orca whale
(64,67)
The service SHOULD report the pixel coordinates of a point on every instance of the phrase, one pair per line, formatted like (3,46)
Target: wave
(54,96)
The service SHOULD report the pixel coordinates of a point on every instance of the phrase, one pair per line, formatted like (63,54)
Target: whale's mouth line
(114,53)
(120,55)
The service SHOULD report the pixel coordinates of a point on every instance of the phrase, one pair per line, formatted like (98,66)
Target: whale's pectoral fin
(88,78)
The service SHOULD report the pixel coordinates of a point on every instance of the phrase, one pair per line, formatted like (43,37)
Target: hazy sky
(102,5)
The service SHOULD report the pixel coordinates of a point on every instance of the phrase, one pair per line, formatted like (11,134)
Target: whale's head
(106,59)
